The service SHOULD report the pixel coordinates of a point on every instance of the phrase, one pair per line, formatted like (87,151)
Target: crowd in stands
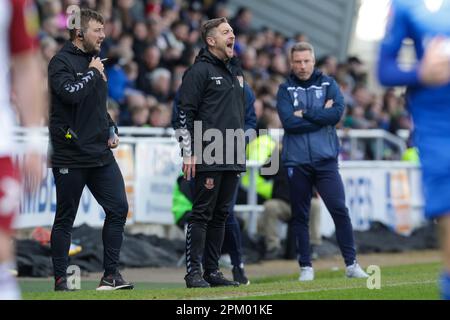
(150,44)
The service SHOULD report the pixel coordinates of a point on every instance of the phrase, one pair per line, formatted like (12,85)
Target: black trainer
(114,282)
(195,280)
(216,279)
(61,284)
(239,276)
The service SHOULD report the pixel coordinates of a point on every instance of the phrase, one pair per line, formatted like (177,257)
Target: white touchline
(263,294)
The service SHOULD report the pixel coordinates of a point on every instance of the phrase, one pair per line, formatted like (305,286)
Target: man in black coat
(81,136)
(212,101)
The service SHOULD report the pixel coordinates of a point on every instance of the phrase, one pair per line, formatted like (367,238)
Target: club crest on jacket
(319,93)
(209,183)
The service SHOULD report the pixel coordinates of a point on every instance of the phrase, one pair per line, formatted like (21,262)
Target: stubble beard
(90,48)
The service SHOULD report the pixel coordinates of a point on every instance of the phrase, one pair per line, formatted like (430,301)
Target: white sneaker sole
(109,288)
(305,280)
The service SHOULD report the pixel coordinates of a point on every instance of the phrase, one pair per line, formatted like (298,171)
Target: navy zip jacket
(312,138)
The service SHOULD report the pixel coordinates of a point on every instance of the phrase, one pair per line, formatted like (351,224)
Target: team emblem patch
(319,93)
(209,183)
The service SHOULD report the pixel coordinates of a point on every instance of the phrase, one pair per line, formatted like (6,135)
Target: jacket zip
(230,73)
(307,135)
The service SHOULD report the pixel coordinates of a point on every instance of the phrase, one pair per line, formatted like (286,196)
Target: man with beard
(81,136)
(212,95)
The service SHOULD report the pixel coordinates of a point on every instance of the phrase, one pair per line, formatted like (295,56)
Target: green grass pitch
(417,281)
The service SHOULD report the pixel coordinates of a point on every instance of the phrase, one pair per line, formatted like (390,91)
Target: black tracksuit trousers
(107,186)
(206,227)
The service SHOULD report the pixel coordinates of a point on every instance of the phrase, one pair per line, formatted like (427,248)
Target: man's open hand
(189,167)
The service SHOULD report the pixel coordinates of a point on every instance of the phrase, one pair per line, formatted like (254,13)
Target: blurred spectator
(132,71)
(301,37)
(362,96)
(160,116)
(113,109)
(129,111)
(140,34)
(355,119)
(328,65)
(241,23)
(151,60)
(50,27)
(259,108)
(151,43)
(248,60)
(117,82)
(139,117)
(194,15)
(49,47)
(221,10)
(160,84)
(177,76)
(357,70)
(279,65)
(130,11)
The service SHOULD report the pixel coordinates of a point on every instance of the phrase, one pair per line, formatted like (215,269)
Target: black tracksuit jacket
(212,92)
(78,107)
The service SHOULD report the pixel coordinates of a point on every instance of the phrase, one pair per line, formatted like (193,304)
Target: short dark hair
(302,46)
(209,26)
(86,15)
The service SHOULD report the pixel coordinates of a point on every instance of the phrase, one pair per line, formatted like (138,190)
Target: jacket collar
(71,48)
(205,55)
(316,75)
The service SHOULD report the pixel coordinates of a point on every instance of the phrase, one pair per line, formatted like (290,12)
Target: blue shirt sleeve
(250,115)
(389,72)
(291,123)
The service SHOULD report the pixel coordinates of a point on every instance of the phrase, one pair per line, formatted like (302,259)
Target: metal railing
(166,135)
(380,136)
